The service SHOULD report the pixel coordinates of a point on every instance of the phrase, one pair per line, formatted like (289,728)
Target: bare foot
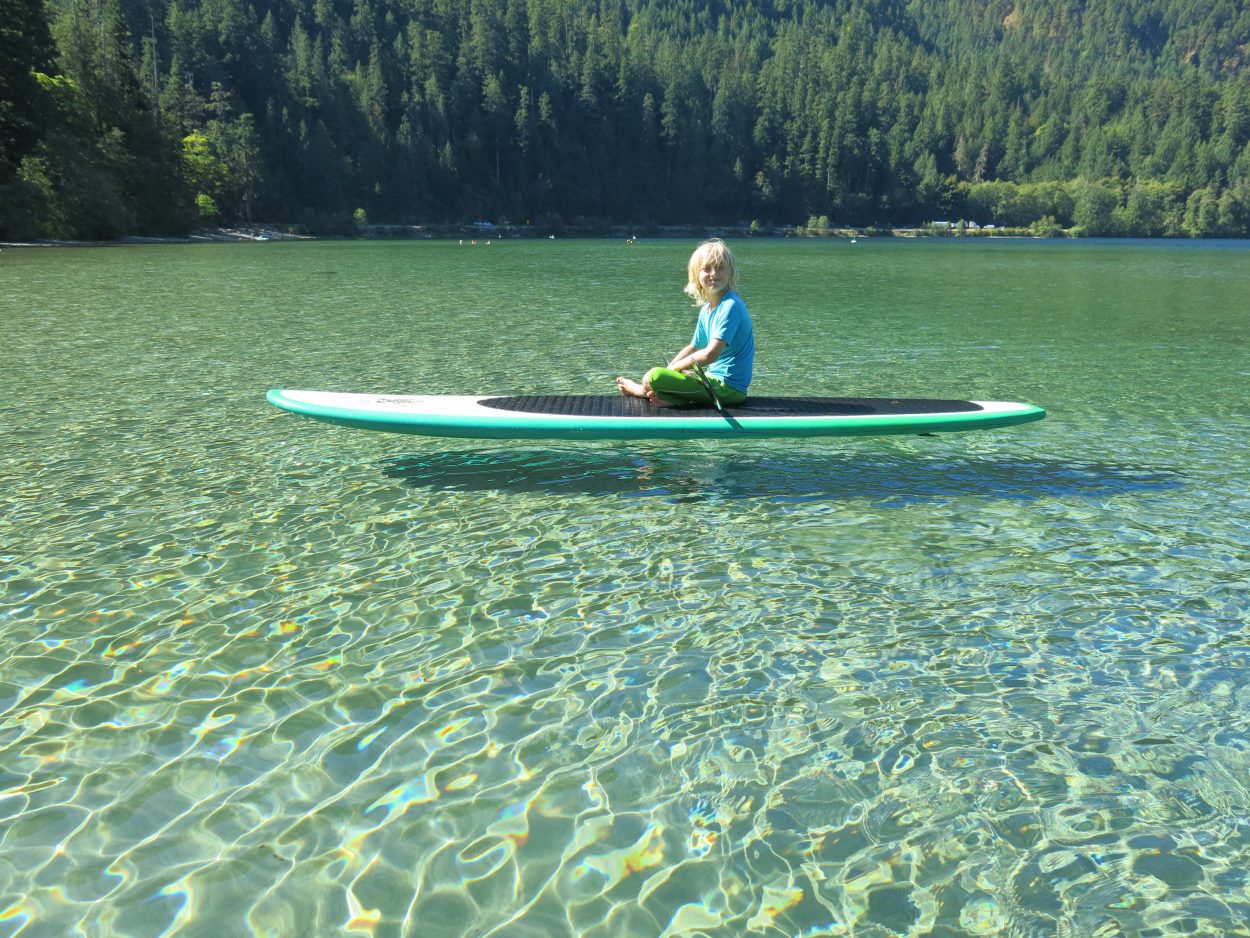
(630,388)
(658,401)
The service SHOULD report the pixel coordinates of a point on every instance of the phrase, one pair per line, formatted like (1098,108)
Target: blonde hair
(711,253)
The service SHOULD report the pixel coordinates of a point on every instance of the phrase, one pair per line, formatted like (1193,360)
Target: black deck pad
(618,405)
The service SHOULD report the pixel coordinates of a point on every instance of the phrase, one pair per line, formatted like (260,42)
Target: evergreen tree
(25,48)
(1102,116)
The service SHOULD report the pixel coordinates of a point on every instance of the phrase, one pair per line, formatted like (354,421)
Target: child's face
(713,279)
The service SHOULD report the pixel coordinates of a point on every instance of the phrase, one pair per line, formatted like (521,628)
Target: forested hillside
(152,116)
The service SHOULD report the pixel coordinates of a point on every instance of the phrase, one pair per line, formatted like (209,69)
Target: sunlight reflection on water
(267,676)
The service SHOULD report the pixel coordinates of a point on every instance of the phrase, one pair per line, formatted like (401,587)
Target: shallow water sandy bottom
(260,675)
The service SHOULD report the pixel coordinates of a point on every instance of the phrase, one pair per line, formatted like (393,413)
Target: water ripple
(262,676)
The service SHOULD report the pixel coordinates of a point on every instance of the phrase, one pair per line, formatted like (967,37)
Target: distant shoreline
(483,232)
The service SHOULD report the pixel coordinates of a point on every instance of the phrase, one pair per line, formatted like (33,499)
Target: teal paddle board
(616,417)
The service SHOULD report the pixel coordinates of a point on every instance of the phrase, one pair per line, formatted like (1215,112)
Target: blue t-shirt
(731,323)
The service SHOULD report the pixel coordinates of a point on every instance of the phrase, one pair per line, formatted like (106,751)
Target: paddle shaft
(707,385)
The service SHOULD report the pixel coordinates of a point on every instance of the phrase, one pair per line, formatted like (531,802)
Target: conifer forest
(1092,117)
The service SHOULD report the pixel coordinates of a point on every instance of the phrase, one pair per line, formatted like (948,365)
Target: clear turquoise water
(259,675)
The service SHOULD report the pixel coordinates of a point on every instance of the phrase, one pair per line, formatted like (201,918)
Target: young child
(723,343)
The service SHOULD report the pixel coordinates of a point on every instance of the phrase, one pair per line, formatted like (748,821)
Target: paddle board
(616,417)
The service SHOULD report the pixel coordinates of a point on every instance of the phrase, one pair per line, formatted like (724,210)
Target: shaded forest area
(121,117)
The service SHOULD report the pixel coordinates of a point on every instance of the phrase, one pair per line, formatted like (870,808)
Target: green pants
(683,388)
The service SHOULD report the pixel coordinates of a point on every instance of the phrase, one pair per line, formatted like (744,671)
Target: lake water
(260,675)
